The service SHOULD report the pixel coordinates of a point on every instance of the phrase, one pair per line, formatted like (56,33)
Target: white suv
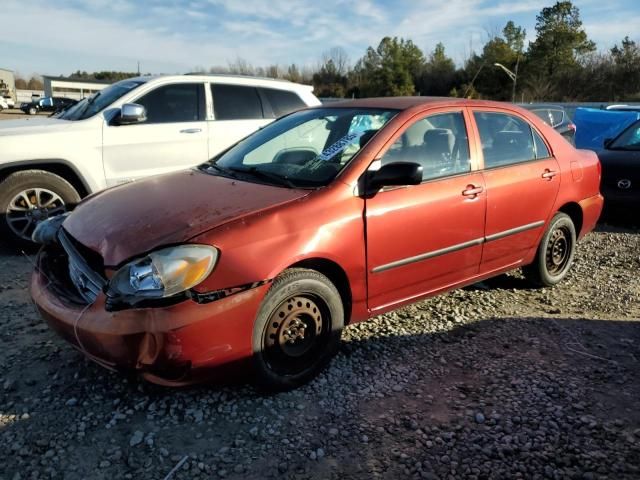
(131,129)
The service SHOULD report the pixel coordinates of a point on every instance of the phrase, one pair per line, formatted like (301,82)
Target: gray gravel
(493,381)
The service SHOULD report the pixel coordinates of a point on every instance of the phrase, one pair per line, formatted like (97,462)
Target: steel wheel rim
(30,207)
(295,333)
(558,250)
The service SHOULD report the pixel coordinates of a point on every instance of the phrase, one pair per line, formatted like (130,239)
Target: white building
(70,88)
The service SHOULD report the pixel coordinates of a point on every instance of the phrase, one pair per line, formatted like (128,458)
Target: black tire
(28,181)
(555,253)
(32,111)
(282,359)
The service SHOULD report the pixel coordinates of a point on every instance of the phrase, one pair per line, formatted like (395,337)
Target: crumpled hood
(29,126)
(133,219)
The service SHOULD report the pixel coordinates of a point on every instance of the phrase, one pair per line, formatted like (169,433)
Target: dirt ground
(493,381)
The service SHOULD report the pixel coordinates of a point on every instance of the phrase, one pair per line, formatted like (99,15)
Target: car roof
(406,103)
(228,79)
(533,106)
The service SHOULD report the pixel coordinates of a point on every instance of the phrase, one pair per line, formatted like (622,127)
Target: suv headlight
(165,272)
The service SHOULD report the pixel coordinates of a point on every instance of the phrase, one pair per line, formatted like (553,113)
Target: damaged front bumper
(176,344)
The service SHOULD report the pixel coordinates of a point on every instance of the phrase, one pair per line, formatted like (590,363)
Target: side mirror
(131,113)
(607,142)
(395,174)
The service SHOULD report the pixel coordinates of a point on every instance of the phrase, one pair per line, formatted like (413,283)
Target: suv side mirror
(132,113)
(395,174)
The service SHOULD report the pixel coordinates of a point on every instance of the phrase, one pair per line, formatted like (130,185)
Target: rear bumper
(173,345)
(591,211)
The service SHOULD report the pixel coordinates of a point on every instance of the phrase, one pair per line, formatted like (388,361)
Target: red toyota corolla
(256,260)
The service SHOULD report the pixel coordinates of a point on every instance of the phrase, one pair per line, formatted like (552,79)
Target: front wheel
(555,253)
(297,330)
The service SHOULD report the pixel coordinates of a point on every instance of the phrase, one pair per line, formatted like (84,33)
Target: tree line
(560,64)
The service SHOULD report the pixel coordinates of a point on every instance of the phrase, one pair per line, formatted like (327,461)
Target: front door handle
(549,174)
(472,191)
(191,130)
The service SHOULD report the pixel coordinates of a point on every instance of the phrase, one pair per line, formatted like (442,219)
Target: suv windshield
(305,149)
(89,106)
(628,140)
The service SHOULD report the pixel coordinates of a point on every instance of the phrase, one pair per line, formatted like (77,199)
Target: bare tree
(241,67)
(338,56)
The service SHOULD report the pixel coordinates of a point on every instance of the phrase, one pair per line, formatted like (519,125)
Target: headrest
(439,139)
(366,136)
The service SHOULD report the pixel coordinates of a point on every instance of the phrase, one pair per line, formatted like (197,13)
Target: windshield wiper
(272,177)
(227,172)
(93,98)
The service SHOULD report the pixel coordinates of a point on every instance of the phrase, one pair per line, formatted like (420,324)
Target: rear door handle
(472,191)
(191,130)
(549,174)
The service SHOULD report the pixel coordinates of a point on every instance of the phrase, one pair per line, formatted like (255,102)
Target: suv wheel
(29,197)
(33,110)
(297,330)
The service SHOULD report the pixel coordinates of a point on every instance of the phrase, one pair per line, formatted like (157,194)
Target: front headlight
(165,272)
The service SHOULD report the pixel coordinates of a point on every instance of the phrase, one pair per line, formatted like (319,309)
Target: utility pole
(138,67)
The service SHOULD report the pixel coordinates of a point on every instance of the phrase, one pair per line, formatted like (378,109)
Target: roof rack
(232,75)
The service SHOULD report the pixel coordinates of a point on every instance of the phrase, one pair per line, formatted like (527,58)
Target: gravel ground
(493,381)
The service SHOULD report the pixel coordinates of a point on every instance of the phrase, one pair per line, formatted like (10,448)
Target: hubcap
(558,250)
(30,207)
(294,333)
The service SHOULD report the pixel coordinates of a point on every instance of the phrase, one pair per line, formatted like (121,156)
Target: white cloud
(213,32)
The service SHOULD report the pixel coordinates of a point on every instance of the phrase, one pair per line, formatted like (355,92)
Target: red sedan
(256,260)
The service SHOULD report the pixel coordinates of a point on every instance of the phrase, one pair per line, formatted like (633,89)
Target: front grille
(87,281)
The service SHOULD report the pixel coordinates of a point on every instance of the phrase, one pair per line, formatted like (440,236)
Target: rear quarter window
(282,101)
(557,117)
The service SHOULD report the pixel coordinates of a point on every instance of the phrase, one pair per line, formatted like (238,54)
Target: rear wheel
(33,110)
(555,253)
(297,330)
(29,197)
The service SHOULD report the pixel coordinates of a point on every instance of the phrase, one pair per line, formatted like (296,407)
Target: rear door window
(176,103)
(505,139)
(282,102)
(236,102)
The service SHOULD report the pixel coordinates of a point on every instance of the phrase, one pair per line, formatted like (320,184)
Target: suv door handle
(191,130)
(549,174)
(472,191)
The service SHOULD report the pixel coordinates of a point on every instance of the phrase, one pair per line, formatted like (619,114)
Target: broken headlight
(164,273)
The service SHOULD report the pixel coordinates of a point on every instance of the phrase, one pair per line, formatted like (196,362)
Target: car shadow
(394,389)
(619,221)
(505,281)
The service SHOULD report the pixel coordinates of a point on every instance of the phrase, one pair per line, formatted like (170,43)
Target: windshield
(89,106)
(628,140)
(305,149)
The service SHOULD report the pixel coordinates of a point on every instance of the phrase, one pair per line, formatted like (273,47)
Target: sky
(58,37)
